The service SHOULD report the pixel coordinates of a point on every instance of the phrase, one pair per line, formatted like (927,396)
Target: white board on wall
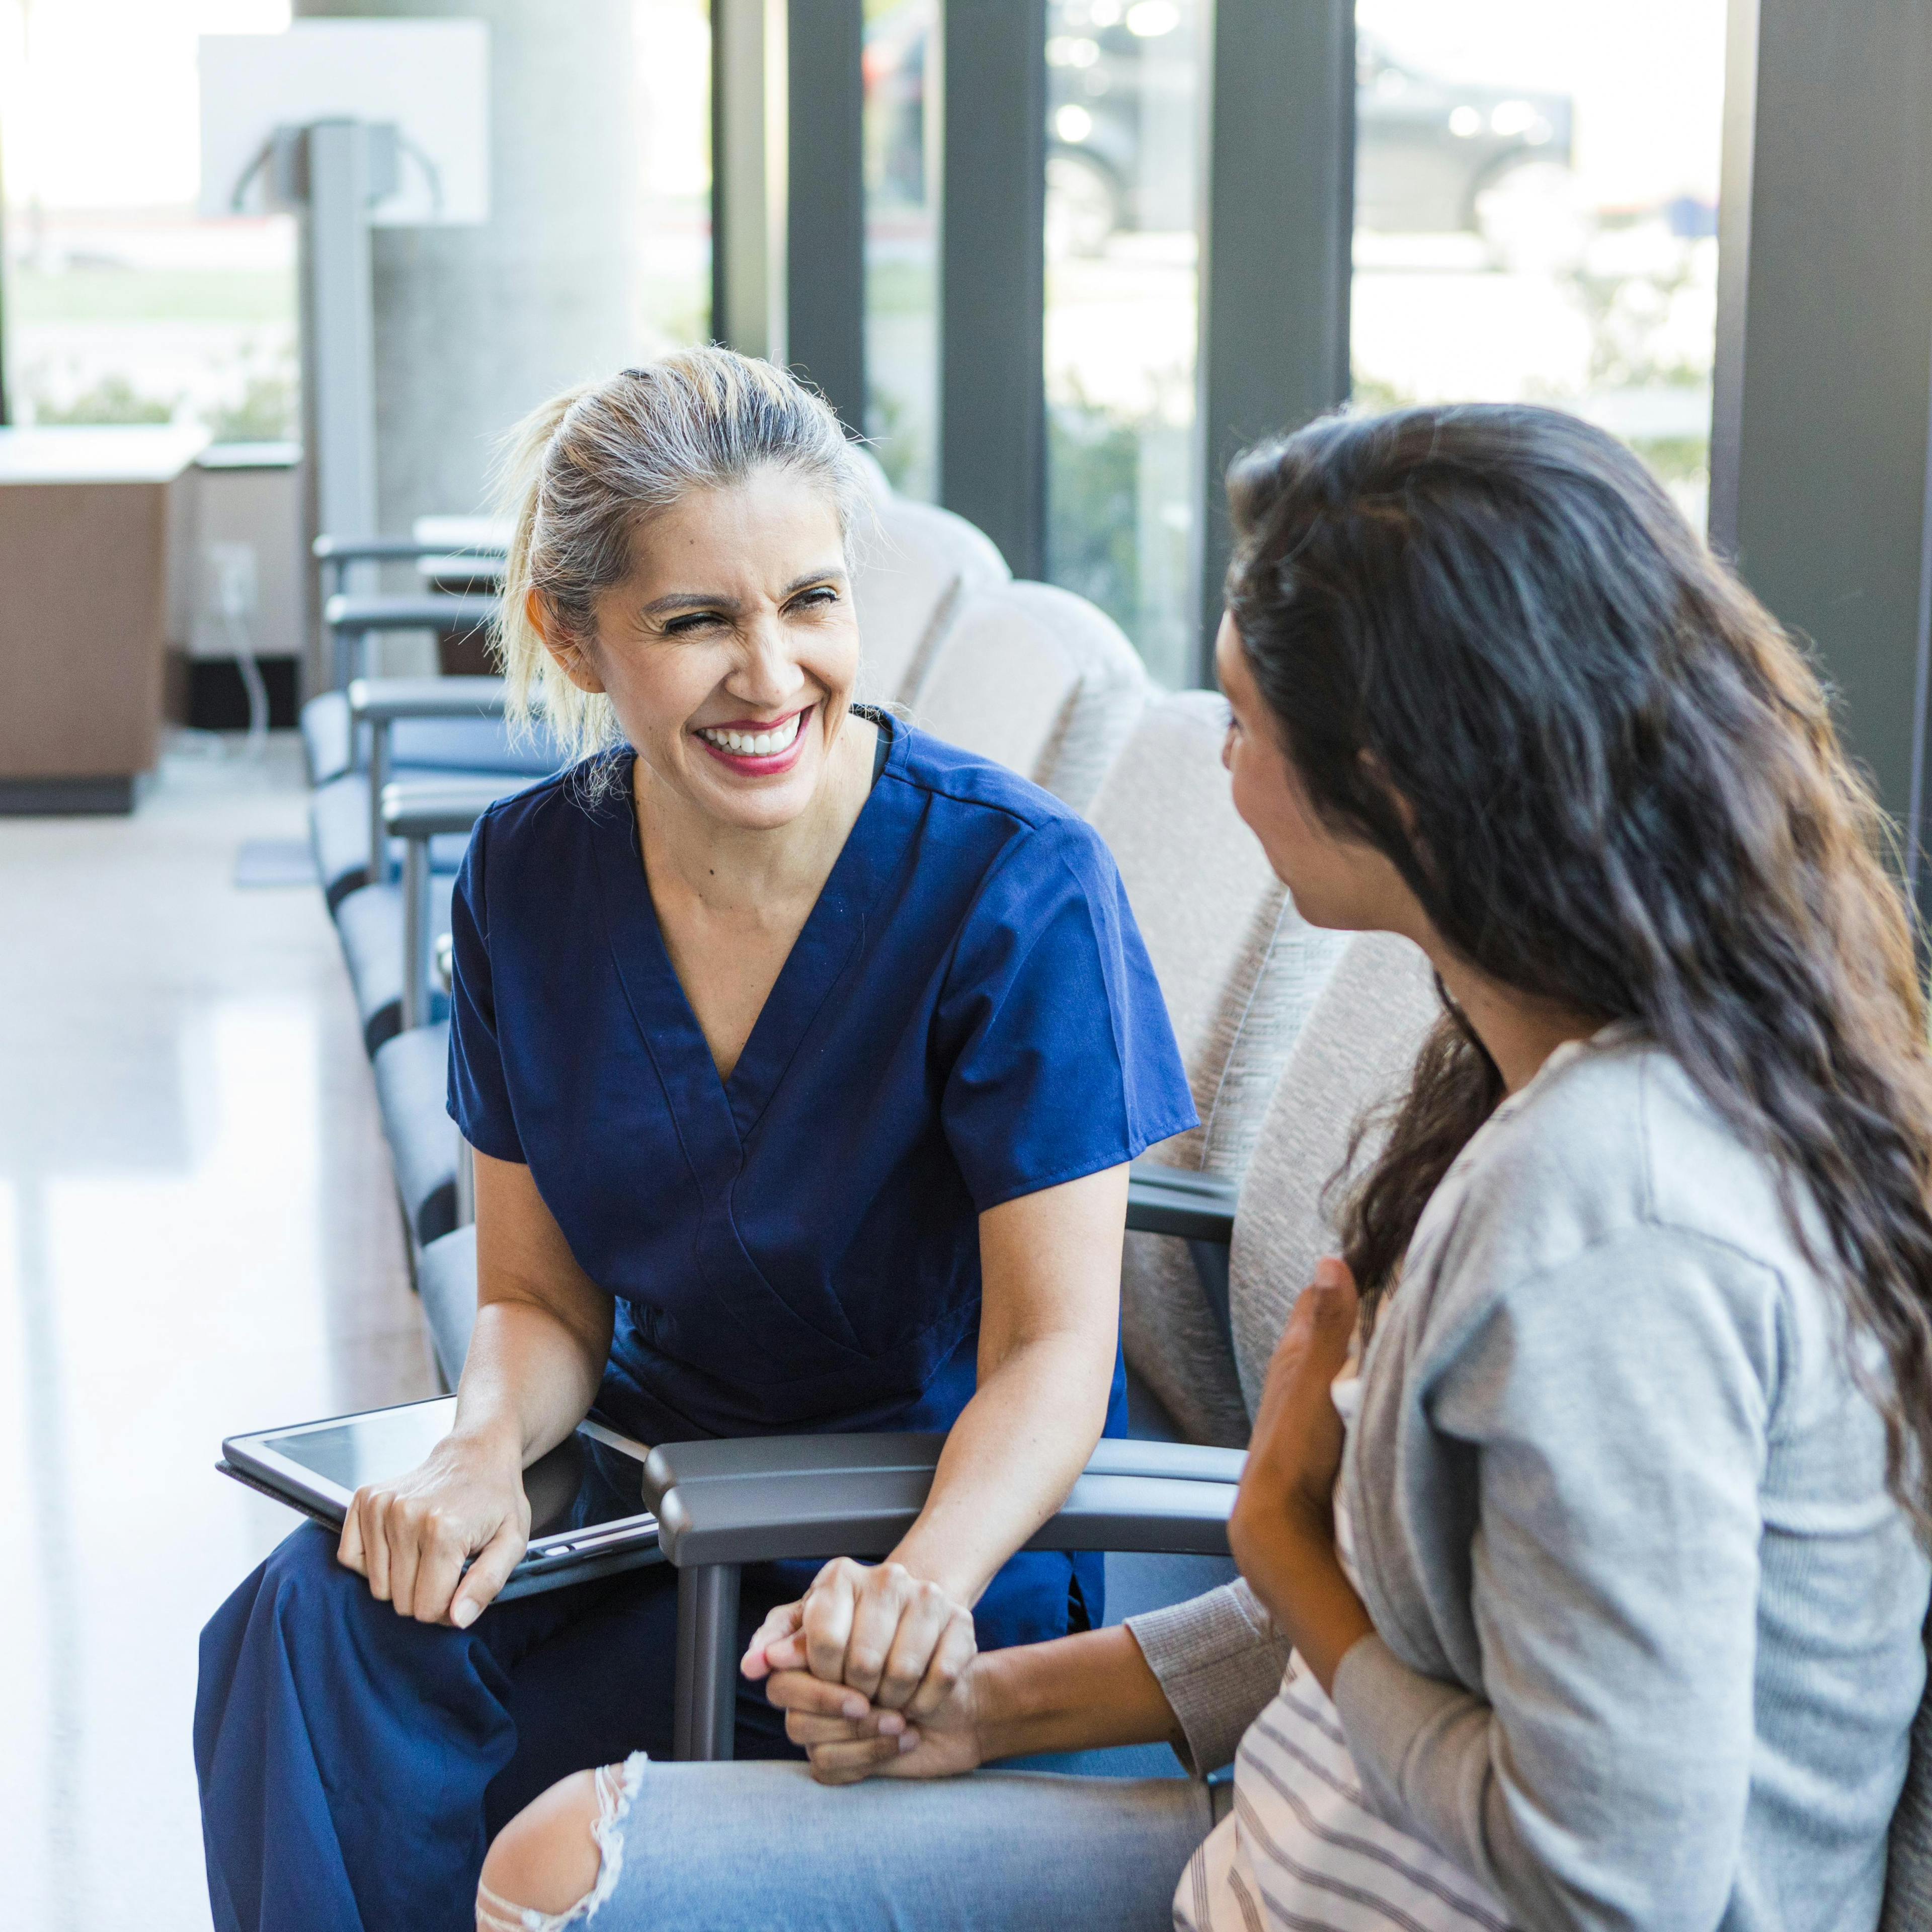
(430,77)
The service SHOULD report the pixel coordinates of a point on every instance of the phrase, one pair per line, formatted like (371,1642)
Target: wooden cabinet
(92,524)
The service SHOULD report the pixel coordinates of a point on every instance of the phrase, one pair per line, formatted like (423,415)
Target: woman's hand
(934,1734)
(410,1537)
(899,1641)
(1282,1529)
(1296,1452)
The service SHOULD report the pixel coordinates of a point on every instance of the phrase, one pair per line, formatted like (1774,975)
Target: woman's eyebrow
(688,600)
(833,573)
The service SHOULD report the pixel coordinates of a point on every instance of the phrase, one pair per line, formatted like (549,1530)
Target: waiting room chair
(1351,1059)
(388,929)
(446,1285)
(878,485)
(328,743)
(1239,970)
(465,715)
(1039,680)
(411,1069)
(910,574)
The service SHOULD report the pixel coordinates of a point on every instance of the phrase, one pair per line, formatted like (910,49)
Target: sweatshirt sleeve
(1219,1660)
(1613,1416)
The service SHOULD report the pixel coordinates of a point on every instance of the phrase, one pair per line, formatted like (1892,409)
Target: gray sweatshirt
(1649,1625)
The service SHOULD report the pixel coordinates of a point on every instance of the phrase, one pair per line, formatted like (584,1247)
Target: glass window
(672,39)
(902,172)
(1536,192)
(122,305)
(1123,174)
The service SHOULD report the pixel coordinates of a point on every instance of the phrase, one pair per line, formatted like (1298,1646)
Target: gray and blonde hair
(581,474)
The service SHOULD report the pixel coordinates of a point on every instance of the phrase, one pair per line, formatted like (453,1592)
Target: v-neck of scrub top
(714,1115)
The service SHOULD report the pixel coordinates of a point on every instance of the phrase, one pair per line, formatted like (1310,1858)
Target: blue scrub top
(968,1015)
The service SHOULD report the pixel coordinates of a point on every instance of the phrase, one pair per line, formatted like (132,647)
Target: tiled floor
(197,1236)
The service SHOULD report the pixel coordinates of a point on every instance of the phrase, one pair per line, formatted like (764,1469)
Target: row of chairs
(1287,1032)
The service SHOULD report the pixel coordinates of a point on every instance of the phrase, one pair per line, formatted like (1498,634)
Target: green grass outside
(236,295)
(900,288)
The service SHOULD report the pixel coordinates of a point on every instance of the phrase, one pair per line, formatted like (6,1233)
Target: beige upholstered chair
(1353,1055)
(912,566)
(878,484)
(1239,970)
(1038,679)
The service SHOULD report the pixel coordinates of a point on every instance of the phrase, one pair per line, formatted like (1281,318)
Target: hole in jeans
(617,1785)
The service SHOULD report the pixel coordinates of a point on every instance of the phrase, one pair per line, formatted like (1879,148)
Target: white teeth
(756,744)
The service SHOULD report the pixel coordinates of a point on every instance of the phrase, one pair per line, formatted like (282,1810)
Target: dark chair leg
(707,1661)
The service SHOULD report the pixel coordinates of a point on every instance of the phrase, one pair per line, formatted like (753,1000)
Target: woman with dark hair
(1599,1589)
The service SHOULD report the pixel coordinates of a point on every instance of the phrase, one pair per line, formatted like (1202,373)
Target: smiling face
(729,650)
(1341,883)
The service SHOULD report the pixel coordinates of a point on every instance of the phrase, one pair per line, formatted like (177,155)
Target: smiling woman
(803,1056)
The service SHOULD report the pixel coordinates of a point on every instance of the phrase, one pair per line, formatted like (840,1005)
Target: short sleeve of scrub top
(968,1015)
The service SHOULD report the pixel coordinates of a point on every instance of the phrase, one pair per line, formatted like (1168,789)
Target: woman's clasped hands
(873,1669)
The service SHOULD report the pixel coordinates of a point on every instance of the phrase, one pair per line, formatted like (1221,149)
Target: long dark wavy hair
(1627,800)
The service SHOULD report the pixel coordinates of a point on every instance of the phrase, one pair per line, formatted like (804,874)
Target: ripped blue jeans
(745,1847)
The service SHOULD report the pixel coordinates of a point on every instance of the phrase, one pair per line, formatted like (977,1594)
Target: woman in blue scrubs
(803,1056)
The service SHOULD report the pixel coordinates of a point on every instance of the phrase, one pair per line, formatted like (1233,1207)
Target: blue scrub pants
(355,1764)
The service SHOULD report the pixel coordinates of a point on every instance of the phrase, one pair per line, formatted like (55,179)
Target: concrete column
(475,326)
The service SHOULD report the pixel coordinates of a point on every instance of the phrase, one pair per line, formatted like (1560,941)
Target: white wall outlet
(233,580)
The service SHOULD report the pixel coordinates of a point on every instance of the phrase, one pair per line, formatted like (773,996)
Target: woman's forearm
(1085,1693)
(543,1326)
(1011,1458)
(1291,1565)
(528,1380)
(1050,1311)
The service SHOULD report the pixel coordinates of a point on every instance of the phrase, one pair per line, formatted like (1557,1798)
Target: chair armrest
(386,699)
(420,808)
(720,1505)
(416,811)
(1163,1200)
(391,550)
(479,572)
(423,611)
(758,1499)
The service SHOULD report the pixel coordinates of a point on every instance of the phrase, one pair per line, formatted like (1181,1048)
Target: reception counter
(91,524)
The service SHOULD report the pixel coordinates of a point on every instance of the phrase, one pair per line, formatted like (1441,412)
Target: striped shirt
(1300,1851)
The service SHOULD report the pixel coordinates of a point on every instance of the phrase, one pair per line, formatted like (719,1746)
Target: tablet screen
(580,1484)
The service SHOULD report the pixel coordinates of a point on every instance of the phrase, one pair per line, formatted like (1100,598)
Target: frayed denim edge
(617,1786)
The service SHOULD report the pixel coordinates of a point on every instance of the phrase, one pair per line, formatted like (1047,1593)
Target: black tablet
(587,1496)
